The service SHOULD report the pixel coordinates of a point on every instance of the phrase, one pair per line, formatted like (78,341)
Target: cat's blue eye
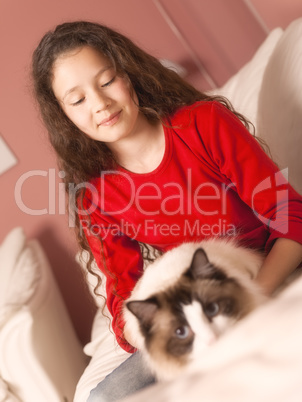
(182,332)
(211,309)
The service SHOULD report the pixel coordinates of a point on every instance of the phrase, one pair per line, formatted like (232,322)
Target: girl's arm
(282,260)
(260,184)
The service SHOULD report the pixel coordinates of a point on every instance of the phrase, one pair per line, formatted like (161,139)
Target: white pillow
(19,273)
(243,88)
(6,394)
(280,103)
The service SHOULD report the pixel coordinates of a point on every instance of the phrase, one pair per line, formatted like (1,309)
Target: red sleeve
(258,181)
(119,258)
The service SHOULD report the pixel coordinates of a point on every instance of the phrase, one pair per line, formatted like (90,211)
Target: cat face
(181,321)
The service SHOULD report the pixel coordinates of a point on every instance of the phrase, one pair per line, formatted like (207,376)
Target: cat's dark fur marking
(189,309)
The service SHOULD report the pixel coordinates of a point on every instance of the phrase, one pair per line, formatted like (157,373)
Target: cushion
(243,88)
(39,352)
(19,273)
(279,117)
(6,394)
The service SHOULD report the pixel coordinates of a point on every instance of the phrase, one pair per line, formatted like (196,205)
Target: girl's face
(94,97)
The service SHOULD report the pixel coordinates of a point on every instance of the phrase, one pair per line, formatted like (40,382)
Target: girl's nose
(100,102)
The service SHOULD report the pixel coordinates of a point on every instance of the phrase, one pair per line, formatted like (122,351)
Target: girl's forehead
(82,51)
(79,61)
(77,68)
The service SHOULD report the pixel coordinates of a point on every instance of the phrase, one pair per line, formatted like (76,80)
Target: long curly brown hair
(160,91)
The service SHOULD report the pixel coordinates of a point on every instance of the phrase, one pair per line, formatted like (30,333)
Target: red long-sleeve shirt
(214,179)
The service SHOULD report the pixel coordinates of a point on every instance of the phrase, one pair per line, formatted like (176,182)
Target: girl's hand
(282,260)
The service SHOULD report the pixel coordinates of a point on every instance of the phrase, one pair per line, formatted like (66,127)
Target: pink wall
(277,12)
(220,35)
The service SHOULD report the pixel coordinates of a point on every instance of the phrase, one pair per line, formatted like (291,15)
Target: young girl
(154,161)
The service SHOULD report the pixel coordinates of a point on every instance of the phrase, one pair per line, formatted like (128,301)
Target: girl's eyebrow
(96,76)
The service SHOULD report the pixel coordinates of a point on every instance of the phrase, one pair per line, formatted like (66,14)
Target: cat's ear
(144,310)
(201,268)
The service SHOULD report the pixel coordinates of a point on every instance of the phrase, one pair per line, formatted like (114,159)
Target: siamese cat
(187,298)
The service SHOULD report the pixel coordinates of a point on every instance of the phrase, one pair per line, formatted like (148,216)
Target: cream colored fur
(237,261)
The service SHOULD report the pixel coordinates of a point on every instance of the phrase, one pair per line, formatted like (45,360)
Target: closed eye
(108,83)
(78,102)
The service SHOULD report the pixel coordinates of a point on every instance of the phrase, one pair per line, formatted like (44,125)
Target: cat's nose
(208,336)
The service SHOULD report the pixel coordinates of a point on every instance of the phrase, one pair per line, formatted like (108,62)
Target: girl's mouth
(112,119)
